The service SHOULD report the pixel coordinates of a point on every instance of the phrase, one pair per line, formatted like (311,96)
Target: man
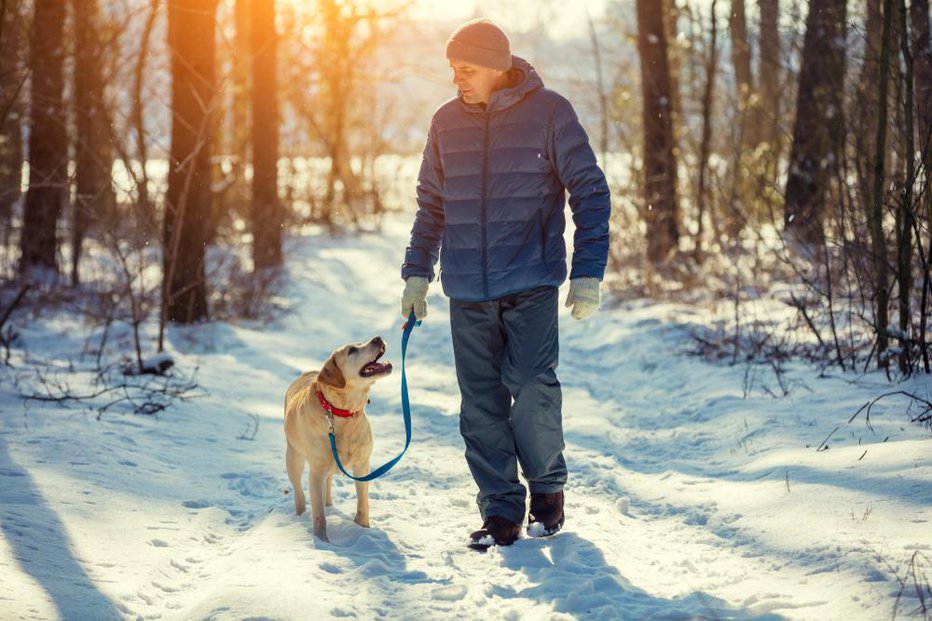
(491,201)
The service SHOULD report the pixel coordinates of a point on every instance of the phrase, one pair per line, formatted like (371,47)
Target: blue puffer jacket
(491,194)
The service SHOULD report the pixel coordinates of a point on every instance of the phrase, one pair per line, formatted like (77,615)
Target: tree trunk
(922,75)
(876,206)
(660,208)
(94,197)
(770,73)
(818,131)
(12,78)
(905,213)
(48,145)
(139,126)
(188,200)
(744,79)
(706,140)
(242,65)
(267,217)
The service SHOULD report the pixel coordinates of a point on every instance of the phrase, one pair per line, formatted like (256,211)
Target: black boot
(496,531)
(546,514)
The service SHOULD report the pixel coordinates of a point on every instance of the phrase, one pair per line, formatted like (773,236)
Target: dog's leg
(362,495)
(328,499)
(318,480)
(295,464)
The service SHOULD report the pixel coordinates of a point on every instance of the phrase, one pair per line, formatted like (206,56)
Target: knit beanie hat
(482,43)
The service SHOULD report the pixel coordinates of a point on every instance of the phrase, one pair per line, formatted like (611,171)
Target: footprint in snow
(452,593)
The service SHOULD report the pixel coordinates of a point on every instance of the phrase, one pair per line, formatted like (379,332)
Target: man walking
(491,194)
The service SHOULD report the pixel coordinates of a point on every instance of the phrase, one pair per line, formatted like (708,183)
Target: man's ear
(331,374)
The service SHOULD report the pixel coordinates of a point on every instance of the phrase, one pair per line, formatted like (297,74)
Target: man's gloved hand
(415,295)
(583,297)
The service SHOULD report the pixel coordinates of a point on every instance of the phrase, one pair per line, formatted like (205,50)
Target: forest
(768,150)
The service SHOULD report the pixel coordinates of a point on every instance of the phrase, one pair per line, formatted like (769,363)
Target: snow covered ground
(693,492)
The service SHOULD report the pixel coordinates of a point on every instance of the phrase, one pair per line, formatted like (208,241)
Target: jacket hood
(520,80)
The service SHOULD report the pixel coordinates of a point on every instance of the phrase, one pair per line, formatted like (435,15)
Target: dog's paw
(362,520)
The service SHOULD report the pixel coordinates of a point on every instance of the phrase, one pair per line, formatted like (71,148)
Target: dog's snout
(377,341)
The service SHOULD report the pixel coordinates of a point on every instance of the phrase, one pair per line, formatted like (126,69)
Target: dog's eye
(352,350)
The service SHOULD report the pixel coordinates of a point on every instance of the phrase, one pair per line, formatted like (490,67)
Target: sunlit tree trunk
(188,201)
(818,131)
(48,145)
(267,217)
(660,209)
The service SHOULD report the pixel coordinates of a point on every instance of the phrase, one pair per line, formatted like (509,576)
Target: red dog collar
(332,410)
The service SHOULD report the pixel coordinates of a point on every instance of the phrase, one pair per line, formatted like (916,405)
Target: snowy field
(693,492)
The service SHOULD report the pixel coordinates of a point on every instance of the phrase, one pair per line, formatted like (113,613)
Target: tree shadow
(571,574)
(41,546)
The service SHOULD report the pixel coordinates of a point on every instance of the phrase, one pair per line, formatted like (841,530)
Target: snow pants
(506,354)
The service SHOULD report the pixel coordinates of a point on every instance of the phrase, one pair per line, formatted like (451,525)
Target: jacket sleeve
(590,201)
(424,248)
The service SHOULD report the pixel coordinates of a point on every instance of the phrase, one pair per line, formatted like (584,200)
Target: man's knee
(519,380)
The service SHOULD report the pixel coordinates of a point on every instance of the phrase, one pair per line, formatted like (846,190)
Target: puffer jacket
(492,193)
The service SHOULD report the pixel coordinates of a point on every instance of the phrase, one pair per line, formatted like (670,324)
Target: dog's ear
(331,374)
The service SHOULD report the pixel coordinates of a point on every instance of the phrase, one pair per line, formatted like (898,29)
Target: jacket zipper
(483,202)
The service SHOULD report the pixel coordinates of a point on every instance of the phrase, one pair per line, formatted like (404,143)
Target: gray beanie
(482,43)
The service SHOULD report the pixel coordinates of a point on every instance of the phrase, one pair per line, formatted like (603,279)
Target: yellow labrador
(342,387)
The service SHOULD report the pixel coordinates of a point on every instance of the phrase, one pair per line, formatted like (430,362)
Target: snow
(690,495)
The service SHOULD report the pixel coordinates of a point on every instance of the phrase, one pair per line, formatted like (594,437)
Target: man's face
(476,83)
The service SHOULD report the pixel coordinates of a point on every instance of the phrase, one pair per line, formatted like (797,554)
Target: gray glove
(583,297)
(415,295)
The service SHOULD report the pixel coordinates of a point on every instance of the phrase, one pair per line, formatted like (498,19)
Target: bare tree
(922,75)
(188,201)
(818,131)
(876,205)
(744,78)
(12,78)
(48,144)
(660,208)
(267,216)
(139,115)
(769,84)
(94,198)
(705,143)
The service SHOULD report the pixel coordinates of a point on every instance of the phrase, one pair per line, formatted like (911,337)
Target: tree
(818,131)
(922,73)
(188,200)
(876,205)
(94,198)
(48,145)
(769,83)
(744,78)
(660,208)
(267,217)
(12,78)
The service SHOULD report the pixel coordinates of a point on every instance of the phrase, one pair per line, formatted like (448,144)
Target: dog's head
(356,365)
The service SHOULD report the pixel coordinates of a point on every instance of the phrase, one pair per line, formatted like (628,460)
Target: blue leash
(405,408)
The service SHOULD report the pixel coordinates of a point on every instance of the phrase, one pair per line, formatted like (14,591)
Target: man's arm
(424,248)
(590,201)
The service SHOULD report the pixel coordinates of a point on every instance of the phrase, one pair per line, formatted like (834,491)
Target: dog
(341,386)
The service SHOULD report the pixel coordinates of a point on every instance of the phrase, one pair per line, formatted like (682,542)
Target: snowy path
(686,499)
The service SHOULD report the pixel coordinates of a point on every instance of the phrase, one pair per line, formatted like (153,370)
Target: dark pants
(506,354)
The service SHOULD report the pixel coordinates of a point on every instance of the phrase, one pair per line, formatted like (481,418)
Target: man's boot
(546,514)
(496,531)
